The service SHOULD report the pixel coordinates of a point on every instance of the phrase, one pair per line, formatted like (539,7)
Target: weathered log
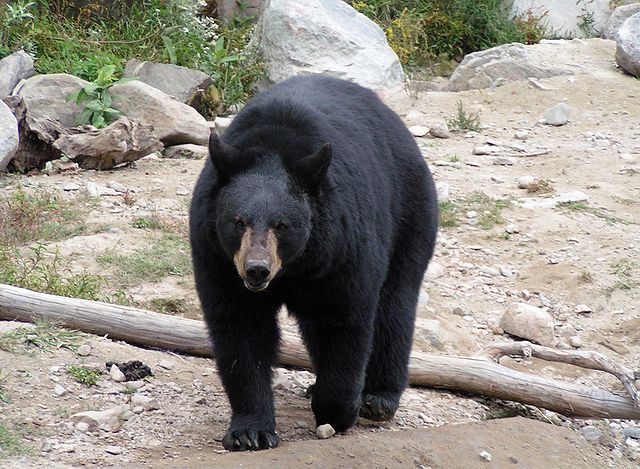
(479,374)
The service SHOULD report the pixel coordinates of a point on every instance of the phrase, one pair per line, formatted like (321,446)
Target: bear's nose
(257,271)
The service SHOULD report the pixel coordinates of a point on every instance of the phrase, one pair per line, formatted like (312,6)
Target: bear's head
(264,212)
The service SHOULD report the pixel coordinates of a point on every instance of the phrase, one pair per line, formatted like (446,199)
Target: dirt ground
(558,258)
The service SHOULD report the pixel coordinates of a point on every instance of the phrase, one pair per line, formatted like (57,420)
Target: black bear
(315,197)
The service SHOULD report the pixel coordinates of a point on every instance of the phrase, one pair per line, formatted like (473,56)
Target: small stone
(418,130)
(443,190)
(583,309)
(167,365)
(435,270)
(108,420)
(201,401)
(221,123)
(113,450)
(557,115)
(632,433)
(281,380)
(525,181)
(472,214)
(59,390)
(591,434)
(66,448)
(325,431)
(117,375)
(118,187)
(440,131)
(490,271)
(84,350)
(512,229)
(70,186)
(458,311)
(182,191)
(575,341)
(46,447)
(521,134)
(506,272)
(504,161)
(82,427)
(146,402)
(428,330)
(486,456)
(496,330)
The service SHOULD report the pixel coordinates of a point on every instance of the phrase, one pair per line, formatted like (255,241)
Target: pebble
(486,456)
(419,130)
(146,402)
(583,309)
(117,375)
(182,191)
(46,447)
(458,311)
(59,390)
(512,229)
(435,270)
(504,161)
(443,190)
(472,214)
(113,450)
(82,427)
(489,271)
(221,123)
(521,134)
(116,186)
(557,115)
(325,431)
(525,181)
(632,433)
(591,434)
(575,341)
(71,186)
(84,350)
(506,272)
(440,131)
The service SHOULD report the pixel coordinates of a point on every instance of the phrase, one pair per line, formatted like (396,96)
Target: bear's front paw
(340,413)
(378,408)
(243,439)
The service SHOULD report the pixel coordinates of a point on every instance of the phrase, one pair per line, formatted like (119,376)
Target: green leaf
(105,75)
(72,96)
(219,46)
(84,117)
(82,96)
(94,105)
(112,112)
(106,99)
(171,50)
(125,80)
(98,121)
(91,89)
(230,58)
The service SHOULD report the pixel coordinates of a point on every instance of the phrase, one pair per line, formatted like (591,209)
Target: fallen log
(478,374)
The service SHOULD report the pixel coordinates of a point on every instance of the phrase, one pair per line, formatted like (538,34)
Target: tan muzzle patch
(257,249)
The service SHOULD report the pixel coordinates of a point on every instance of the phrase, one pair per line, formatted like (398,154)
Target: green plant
(586,19)
(11,442)
(540,186)
(453,158)
(582,207)
(489,209)
(463,120)
(449,213)
(169,305)
(44,336)
(84,374)
(96,99)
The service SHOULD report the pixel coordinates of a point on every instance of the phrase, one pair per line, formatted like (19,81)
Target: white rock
(281,380)
(222,123)
(429,331)
(116,186)
(617,19)
(529,322)
(443,189)
(525,181)
(117,375)
(108,420)
(486,456)
(113,450)
(490,271)
(327,37)
(146,402)
(575,341)
(471,214)
(8,135)
(84,350)
(512,229)
(435,270)
(440,131)
(550,202)
(70,186)
(628,45)
(521,134)
(557,115)
(59,390)
(325,431)
(419,130)
(581,308)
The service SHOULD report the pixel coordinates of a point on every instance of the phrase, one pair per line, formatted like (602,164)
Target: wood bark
(479,374)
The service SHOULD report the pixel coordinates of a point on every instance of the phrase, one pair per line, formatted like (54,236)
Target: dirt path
(557,258)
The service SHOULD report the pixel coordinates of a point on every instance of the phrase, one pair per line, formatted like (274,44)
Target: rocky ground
(577,261)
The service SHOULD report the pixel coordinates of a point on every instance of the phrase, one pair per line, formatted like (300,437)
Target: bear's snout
(257,260)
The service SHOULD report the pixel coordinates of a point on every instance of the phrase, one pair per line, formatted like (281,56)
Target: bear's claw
(244,439)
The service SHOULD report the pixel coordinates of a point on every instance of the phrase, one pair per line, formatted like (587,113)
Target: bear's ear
(225,158)
(312,168)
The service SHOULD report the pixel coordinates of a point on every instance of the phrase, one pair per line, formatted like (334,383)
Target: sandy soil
(557,258)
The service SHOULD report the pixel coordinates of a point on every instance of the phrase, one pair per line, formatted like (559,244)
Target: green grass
(169,305)
(489,209)
(604,214)
(463,120)
(38,215)
(627,272)
(422,32)
(453,158)
(84,374)
(449,214)
(167,255)
(11,442)
(45,337)
(171,31)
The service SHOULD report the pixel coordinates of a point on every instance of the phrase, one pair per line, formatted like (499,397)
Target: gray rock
(116,374)
(59,390)
(114,450)
(13,68)
(281,380)
(529,322)
(628,45)
(521,134)
(617,19)
(173,122)
(146,402)
(591,434)
(566,17)
(581,308)
(443,189)
(492,67)
(525,181)
(9,139)
(325,431)
(429,331)
(45,97)
(504,161)
(557,115)
(632,433)
(435,270)
(419,130)
(221,123)
(84,350)
(108,420)
(326,36)
(440,131)
(179,82)
(186,150)
(116,186)
(70,186)
(575,341)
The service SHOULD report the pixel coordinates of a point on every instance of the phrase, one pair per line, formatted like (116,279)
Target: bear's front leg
(339,351)
(245,346)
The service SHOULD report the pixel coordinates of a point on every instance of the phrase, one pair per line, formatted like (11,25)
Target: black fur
(357,223)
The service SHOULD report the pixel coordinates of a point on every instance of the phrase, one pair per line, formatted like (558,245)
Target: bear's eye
(281,226)
(239,224)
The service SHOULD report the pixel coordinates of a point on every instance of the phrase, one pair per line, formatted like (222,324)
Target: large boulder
(509,62)
(173,121)
(326,36)
(529,322)
(187,85)
(8,135)
(617,19)
(567,18)
(13,68)
(628,46)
